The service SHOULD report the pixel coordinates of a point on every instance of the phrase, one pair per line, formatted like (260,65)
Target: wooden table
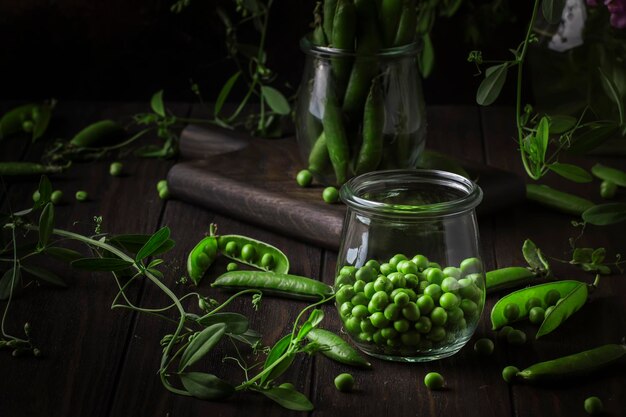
(99,362)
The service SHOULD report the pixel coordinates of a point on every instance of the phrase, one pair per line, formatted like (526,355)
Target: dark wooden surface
(103,362)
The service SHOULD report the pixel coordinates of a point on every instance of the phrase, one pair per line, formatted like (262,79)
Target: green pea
(348,270)
(536,315)
(56,196)
(345,294)
(455,315)
(437,334)
(434,291)
(359,286)
(342,280)
(393,342)
(380,299)
(389,333)
(346,309)
(467,289)
(504,332)
(267,260)
(365,337)
(383,284)
(392,312)
(401,299)
(203,260)
(421,287)
(401,325)
(231,248)
(452,271)
(449,284)
(397,279)
(330,195)
(344,382)
(511,312)
(372,263)
(367,326)
(81,195)
(115,169)
(548,311)
(304,178)
(377,337)
(248,252)
(353,325)
(434,275)
(407,267)
(411,311)
(434,265)
(423,325)
(379,320)
(449,301)
(366,273)
(396,259)
(471,266)
(593,405)
(410,338)
(434,381)
(551,297)
(516,337)
(360,299)
(36,196)
(28,126)
(425,303)
(484,346)
(509,373)
(386,269)
(412,281)
(360,311)
(164,193)
(533,302)
(232,266)
(420,261)
(369,290)
(412,295)
(439,316)
(469,307)
(161,185)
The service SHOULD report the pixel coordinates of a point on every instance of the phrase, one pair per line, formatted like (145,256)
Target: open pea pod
(202,256)
(254,253)
(30,118)
(564,309)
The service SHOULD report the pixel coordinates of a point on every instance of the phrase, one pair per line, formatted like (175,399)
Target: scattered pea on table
(115,169)
(81,195)
(484,346)
(330,195)
(56,196)
(509,373)
(344,382)
(593,405)
(434,381)
(304,178)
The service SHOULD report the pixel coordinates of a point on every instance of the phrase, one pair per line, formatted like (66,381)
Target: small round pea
(304,178)
(509,373)
(397,279)
(366,273)
(369,290)
(36,196)
(425,303)
(504,332)
(452,271)
(330,195)
(392,312)
(411,311)
(267,260)
(533,302)
(511,312)
(434,291)
(344,382)
(115,169)
(407,267)
(552,297)
(372,263)
(423,325)
(402,325)
(471,266)
(379,320)
(164,193)
(469,307)
(353,325)
(439,316)
(449,284)
(81,195)
(516,337)
(401,299)
(434,380)
(248,252)
(536,315)
(28,126)
(386,269)
(421,261)
(484,346)
(359,286)
(396,259)
(232,266)
(161,185)
(455,315)
(434,275)
(231,248)
(360,311)
(346,309)
(56,196)
(449,301)
(608,189)
(593,405)
(389,333)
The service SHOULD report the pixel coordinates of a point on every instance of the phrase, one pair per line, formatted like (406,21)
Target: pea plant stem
(13,279)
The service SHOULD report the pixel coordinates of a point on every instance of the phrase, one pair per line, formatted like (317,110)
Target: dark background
(128,49)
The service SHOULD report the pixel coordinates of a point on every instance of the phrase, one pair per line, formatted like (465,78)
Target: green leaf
(289,398)
(561,124)
(582,256)
(235,323)
(542,138)
(571,172)
(206,386)
(568,305)
(8,283)
(63,254)
(224,93)
(605,214)
(202,343)
(101,264)
(533,256)
(592,138)
(598,255)
(44,115)
(46,225)
(275,99)
(314,319)
(153,244)
(277,351)
(552,10)
(613,93)
(156,102)
(250,337)
(45,191)
(426,58)
(490,88)
(45,275)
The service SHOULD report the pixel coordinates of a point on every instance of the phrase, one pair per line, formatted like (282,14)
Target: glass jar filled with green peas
(410,284)
(360,104)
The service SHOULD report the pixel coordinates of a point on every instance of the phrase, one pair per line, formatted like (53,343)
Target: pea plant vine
(132,257)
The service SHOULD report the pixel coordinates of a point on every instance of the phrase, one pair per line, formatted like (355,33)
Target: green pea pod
(558,200)
(202,256)
(318,157)
(521,296)
(504,278)
(578,364)
(330,7)
(609,174)
(99,134)
(28,168)
(289,286)
(343,35)
(41,117)
(262,255)
(319,38)
(338,349)
(608,189)
(12,121)
(571,303)
(406,27)
(373,123)
(336,138)
(390,13)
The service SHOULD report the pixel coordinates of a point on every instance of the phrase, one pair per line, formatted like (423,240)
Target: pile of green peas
(408,305)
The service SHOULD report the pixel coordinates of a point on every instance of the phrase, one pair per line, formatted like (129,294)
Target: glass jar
(376,117)
(410,282)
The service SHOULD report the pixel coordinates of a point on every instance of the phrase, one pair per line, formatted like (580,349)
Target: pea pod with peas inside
(254,253)
(508,277)
(202,256)
(285,285)
(338,349)
(29,118)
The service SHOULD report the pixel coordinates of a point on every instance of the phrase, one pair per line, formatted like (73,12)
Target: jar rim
(307,46)
(351,193)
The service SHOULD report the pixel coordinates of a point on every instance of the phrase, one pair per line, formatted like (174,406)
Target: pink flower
(617,8)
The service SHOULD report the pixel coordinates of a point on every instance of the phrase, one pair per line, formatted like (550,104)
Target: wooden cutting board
(253,180)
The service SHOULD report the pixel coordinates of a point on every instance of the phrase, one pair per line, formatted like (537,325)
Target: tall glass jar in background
(410,282)
(359,113)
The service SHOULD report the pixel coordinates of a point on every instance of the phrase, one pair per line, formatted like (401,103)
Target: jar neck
(411,194)
(408,50)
